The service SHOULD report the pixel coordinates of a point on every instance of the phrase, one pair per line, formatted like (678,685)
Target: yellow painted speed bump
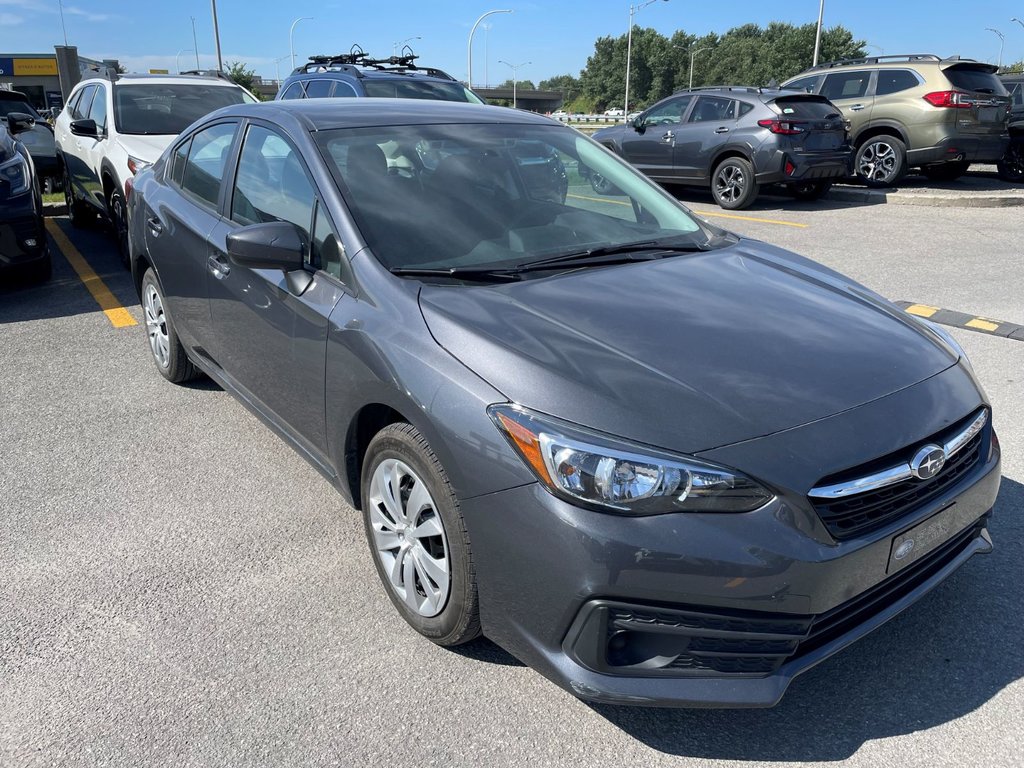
(965,320)
(922,310)
(118,316)
(982,324)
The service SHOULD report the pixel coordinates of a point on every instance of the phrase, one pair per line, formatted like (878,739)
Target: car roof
(136,79)
(327,114)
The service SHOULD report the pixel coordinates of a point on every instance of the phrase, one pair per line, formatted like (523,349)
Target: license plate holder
(926,536)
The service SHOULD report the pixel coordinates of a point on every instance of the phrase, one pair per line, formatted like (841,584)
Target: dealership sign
(22,67)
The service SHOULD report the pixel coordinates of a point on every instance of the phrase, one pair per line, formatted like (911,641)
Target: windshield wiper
(600,255)
(459,273)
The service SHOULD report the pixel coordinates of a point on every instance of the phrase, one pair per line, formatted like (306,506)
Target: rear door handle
(722,129)
(856,107)
(668,136)
(155,226)
(218,266)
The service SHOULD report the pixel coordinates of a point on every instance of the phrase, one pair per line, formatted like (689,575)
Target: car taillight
(135,164)
(785,127)
(949,99)
(128,186)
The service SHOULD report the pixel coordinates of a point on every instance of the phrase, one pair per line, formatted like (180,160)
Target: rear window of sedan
(432,90)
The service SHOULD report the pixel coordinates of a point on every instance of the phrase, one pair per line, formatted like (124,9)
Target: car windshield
(471,196)
(7,106)
(394,88)
(151,109)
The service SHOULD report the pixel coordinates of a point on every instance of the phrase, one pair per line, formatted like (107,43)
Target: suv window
(98,111)
(804,84)
(894,81)
(713,109)
(975,80)
(72,104)
(271,183)
(670,111)
(161,110)
(418,89)
(207,157)
(806,108)
(318,89)
(294,91)
(84,104)
(1017,94)
(845,85)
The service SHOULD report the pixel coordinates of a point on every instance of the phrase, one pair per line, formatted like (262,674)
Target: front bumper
(558,583)
(22,237)
(974,149)
(806,166)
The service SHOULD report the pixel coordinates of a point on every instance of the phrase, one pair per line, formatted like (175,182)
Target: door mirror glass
(638,122)
(84,127)
(274,245)
(19,122)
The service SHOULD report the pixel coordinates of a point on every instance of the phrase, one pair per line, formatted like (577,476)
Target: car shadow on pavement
(943,658)
(483,649)
(770,199)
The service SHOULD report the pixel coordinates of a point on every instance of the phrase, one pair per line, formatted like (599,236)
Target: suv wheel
(600,184)
(418,537)
(119,219)
(733,184)
(809,190)
(168,353)
(80,214)
(1011,167)
(881,161)
(946,171)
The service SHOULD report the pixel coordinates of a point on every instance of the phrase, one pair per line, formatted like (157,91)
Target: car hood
(39,141)
(145,148)
(687,353)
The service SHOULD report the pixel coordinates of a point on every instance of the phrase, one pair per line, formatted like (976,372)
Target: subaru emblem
(904,549)
(927,462)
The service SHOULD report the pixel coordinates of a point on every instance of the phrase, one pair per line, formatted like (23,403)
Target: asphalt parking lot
(178,587)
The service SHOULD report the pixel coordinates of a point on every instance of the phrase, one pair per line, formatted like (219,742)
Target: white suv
(112,126)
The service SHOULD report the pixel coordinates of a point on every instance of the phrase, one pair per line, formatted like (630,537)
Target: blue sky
(556,37)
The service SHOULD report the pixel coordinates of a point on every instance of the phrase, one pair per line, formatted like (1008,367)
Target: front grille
(850,516)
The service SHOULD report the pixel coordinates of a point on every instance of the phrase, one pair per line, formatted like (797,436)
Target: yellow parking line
(118,316)
(752,218)
(599,200)
(922,310)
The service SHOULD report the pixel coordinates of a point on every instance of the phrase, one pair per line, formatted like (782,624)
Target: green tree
(567,84)
(240,73)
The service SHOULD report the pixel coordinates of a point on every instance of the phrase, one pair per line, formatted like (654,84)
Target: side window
(271,183)
(72,104)
(343,90)
(177,167)
(744,108)
(895,80)
(713,109)
(207,156)
(1017,94)
(845,85)
(327,249)
(670,111)
(98,111)
(807,84)
(84,104)
(318,89)
(294,91)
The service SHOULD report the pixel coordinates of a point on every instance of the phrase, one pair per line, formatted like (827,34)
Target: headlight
(15,173)
(598,470)
(135,165)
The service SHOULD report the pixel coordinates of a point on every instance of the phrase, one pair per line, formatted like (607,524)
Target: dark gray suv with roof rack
(356,74)
(915,110)
(734,138)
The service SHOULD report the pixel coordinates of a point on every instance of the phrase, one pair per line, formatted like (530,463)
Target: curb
(960,200)
(54,209)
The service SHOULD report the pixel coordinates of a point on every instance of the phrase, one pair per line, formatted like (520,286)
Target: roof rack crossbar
(878,59)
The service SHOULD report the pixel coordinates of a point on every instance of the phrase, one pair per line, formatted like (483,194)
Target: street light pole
(469,46)
(515,78)
(216,36)
(291,36)
(394,46)
(487,56)
(277,68)
(195,43)
(692,57)
(817,34)
(1002,39)
(629,49)
(177,58)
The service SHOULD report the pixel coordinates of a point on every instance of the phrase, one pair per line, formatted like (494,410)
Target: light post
(216,36)
(395,47)
(487,57)
(817,34)
(1002,39)
(515,78)
(195,42)
(177,59)
(291,36)
(277,68)
(469,46)
(629,48)
(692,57)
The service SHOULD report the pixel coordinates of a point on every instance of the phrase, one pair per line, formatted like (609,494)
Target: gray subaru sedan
(660,463)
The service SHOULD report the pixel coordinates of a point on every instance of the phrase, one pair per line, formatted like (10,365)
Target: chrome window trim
(899,472)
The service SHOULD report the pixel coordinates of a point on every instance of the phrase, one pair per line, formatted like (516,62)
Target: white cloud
(72,10)
(10,20)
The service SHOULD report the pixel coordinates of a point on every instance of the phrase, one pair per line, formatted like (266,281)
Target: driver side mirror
(638,123)
(19,122)
(85,127)
(274,245)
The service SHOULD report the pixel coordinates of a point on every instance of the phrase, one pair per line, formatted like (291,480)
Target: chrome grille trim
(899,472)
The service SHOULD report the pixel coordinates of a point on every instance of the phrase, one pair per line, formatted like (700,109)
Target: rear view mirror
(19,122)
(84,128)
(638,122)
(274,245)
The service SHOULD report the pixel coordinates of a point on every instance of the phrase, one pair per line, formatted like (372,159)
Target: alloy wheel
(69,197)
(878,162)
(409,538)
(730,182)
(156,326)
(120,217)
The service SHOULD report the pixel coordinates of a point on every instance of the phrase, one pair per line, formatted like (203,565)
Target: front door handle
(856,107)
(155,226)
(218,267)
(668,136)
(721,129)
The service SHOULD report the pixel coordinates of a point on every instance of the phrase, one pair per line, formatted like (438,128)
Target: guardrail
(605,119)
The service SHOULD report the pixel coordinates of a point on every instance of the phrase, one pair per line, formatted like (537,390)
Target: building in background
(35,75)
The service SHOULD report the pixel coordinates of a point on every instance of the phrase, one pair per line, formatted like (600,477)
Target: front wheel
(881,161)
(809,190)
(1011,167)
(119,220)
(418,537)
(168,353)
(80,214)
(733,184)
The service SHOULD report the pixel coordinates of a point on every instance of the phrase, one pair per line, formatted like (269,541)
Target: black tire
(733,184)
(459,621)
(1011,167)
(807,191)
(176,367)
(119,221)
(601,185)
(80,214)
(881,161)
(946,171)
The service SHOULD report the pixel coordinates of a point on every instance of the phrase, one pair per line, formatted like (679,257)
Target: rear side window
(845,85)
(894,81)
(713,109)
(974,80)
(318,89)
(806,108)
(207,157)
(294,91)
(343,90)
(807,84)
(744,108)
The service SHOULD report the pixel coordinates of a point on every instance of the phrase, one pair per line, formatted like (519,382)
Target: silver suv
(915,111)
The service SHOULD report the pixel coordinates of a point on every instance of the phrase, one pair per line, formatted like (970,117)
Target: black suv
(355,74)
(735,139)
(23,246)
